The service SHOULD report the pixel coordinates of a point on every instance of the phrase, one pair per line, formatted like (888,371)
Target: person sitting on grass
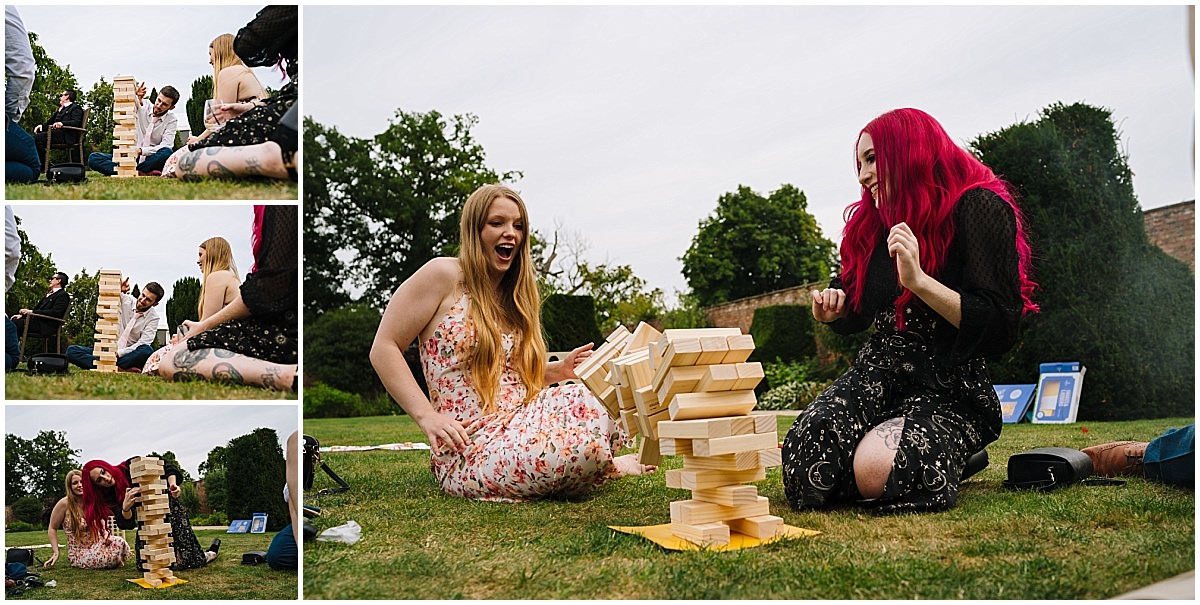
(86,548)
(496,431)
(156,128)
(108,491)
(254,339)
(284,552)
(137,329)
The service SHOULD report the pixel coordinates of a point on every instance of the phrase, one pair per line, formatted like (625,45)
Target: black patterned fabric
(932,375)
(272,295)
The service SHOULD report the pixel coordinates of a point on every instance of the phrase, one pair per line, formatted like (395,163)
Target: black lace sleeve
(850,322)
(988,279)
(271,291)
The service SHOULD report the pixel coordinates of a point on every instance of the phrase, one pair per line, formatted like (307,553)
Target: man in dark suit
(69,113)
(54,304)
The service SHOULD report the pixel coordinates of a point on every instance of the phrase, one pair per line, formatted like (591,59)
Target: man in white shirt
(156,127)
(136,329)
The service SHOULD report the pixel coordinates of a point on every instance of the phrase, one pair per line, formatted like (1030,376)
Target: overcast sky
(117,432)
(146,242)
(161,45)
(629,122)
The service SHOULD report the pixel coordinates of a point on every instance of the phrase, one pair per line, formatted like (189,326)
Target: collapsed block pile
(108,306)
(690,393)
(158,551)
(125,125)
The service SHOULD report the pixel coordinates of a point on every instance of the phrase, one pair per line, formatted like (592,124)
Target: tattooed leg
(261,160)
(875,455)
(220,365)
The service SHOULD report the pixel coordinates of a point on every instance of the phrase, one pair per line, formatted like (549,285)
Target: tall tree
(379,208)
(37,466)
(169,457)
(84,289)
(755,244)
(202,90)
(184,302)
(212,471)
(1109,299)
(255,474)
(100,121)
(32,278)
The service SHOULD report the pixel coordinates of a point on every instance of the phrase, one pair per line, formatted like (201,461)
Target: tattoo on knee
(223,353)
(890,431)
(217,170)
(225,372)
(189,375)
(187,360)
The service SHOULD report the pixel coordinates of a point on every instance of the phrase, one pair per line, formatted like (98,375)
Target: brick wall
(1173,228)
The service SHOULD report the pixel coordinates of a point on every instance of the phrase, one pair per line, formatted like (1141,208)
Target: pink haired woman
(935,256)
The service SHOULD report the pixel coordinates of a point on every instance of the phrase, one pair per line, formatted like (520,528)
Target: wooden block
(609,398)
(737,461)
(718,378)
(741,425)
(675,447)
(712,350)
(770,457)
(711,534)
(648,452)
(675,354)
(677,380)
(681,333)
(630,422)
(765,422)
(635,369)
(705,428)
(682,478)
(156,528)
(749,374)
(624,397)
(652,422)
(727,495)
(642,336)
(761,527)
(646,401)
(737,443)
(740,348)
(696,512)
(686,406)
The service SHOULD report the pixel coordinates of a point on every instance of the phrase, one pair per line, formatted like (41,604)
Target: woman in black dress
(935,255)
(108,490)
(254,339)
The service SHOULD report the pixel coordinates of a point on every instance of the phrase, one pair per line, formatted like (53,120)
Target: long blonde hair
(218,256)
(516,306)
(223,56)
(75,520)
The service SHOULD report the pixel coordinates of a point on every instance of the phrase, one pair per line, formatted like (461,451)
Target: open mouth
(505,251)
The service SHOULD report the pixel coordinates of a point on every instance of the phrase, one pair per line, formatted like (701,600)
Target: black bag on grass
(1049,468)
(48,363)
(66,173)
(312,461)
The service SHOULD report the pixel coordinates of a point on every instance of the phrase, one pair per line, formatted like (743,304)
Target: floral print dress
(108,552)
(559,444)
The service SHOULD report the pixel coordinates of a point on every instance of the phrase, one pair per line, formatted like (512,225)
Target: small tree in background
(255,477)
(184,301)
(336,348)
(99,100)
(84,289)
(202,89)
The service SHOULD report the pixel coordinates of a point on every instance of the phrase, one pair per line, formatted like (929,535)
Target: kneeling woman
(108,491)
(87,548)
(496,432)
(935,255)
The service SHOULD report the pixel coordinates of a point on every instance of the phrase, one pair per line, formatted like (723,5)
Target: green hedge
(569,321)
(783,333)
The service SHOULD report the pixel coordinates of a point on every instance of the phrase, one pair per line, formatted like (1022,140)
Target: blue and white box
(1014,400)
(1059,387)
(258,523)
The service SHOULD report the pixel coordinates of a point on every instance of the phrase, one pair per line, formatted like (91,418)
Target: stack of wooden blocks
(125,141)
(108,306)
(691,393)
(158,552)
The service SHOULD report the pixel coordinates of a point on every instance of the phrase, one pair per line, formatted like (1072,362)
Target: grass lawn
(1076,543)
(100,187)
(225,578)
(87,384)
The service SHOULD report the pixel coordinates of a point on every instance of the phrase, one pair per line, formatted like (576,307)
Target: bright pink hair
(922,173)
(256,234)
(98,501)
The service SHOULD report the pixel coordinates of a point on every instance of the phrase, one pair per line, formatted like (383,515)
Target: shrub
(337,349)
(1090,251)
(324,401)
(255,475)
(783,333)
(835,352)
(19,525)
(184,302)
(569,321)
(28,509)
(214,518)
(779,373)
(791,396)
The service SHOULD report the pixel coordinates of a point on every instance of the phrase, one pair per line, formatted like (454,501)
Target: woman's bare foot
(628,465)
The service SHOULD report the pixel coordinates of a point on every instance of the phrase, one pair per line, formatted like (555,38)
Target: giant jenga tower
(108,306)
(691,393)
(125,125)
(158,552)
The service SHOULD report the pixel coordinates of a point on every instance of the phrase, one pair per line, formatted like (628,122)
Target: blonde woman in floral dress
(496,431)
(85,549)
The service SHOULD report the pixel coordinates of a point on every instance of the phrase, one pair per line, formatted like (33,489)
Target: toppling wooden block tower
(125,141)
(691,393)
(108,306)
(158,551)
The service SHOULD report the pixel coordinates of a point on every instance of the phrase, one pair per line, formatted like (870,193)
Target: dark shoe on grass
(215,546)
